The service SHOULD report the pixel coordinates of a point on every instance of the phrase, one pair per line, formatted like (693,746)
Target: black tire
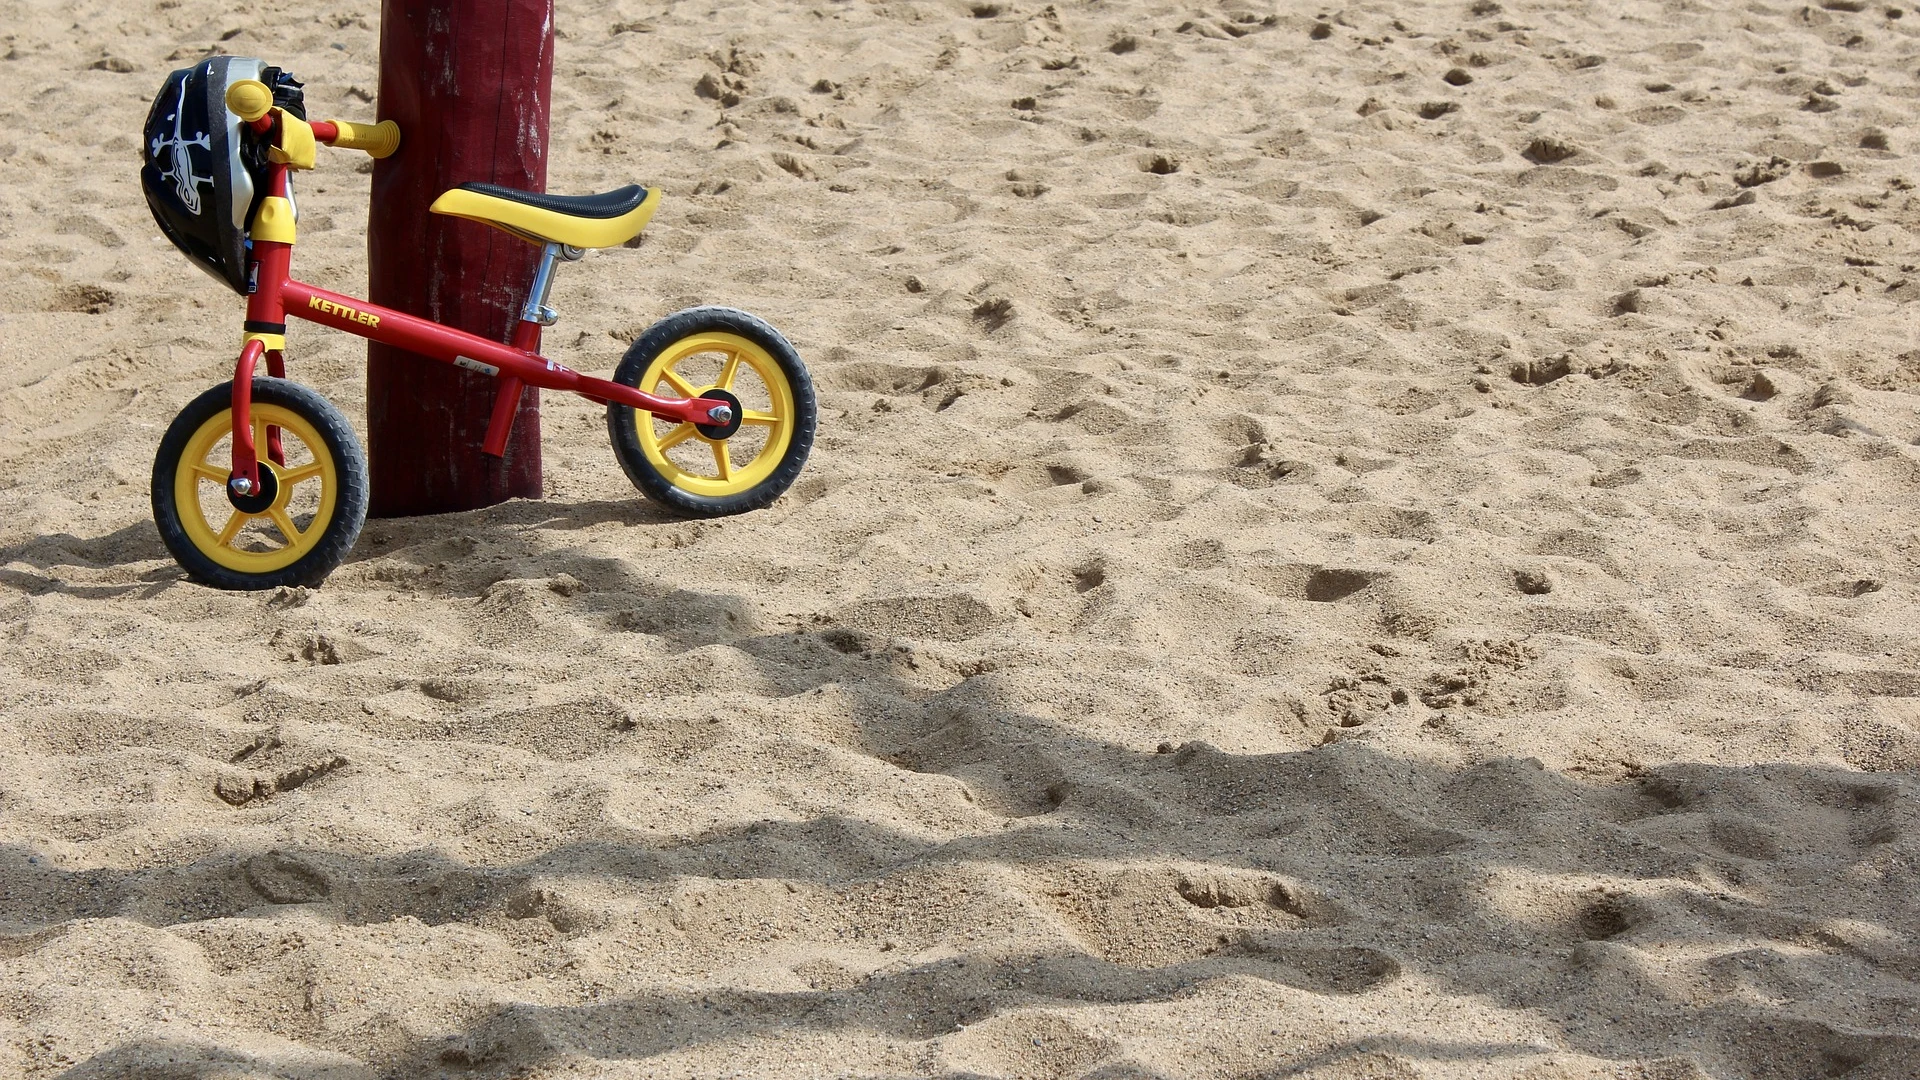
(783,444)
(329,469)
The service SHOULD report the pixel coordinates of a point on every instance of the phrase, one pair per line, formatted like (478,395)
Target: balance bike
(260,482)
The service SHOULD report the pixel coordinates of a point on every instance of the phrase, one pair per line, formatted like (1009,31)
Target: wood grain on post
(469,82)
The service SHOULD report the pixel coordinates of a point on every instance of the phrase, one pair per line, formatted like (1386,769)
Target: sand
(1344,542)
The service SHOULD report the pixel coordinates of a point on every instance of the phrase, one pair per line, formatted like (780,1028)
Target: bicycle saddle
(608,219)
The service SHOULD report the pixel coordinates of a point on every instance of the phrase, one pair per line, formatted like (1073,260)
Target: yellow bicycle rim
(200,493)
(722,476)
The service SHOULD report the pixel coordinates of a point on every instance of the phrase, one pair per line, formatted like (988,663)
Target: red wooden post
(469,82)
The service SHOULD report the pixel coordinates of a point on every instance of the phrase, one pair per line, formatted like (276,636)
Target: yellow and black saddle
(581,221)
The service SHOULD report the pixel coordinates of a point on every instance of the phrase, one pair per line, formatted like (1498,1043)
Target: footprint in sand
(1340,969)
(1089,575)
(1210,891)
(942,617)
(1743,836)
(1325,585)
(314,647)
(1035,1044)
(82,298)
(1351,1063)
(1605,918)
(92,228)
(937,386)
(283,878)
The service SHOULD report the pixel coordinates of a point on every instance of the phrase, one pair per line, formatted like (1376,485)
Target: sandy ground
(1344,542)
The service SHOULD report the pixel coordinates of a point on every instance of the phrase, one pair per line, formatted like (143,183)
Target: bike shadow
(128,548)
(515,514)
(513,528)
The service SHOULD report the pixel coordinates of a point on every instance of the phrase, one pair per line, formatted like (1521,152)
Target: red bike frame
(516,364)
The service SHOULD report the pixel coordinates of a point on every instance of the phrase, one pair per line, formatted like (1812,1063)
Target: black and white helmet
(200,176)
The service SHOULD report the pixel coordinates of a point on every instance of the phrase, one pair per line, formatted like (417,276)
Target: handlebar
(252,101)
(378,140)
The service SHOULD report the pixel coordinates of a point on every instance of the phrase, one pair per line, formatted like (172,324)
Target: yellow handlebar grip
(378,140)
(249,99)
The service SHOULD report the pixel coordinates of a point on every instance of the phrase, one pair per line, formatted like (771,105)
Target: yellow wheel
(304,518)
(715,469)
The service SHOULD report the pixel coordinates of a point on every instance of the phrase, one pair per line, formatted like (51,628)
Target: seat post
(526,335)
(536,310)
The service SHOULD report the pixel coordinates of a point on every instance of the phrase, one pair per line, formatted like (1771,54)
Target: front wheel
(712,470)
(312,502)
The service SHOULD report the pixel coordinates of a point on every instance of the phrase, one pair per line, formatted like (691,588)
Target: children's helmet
(201,177)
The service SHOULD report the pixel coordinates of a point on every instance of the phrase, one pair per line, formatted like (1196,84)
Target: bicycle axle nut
(241,485)
(719,414)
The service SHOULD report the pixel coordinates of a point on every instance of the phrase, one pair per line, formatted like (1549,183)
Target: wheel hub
(260,499)
(718,432)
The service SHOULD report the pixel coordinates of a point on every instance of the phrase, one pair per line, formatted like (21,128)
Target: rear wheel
(709,470)
(311,503)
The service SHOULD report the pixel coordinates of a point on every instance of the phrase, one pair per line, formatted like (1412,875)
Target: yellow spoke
(677,436)
(259,440)
(208,472)
(284,522)
(304,472)
(231,530)
(754,416)
(727,373)
(722,460)
(673,379)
